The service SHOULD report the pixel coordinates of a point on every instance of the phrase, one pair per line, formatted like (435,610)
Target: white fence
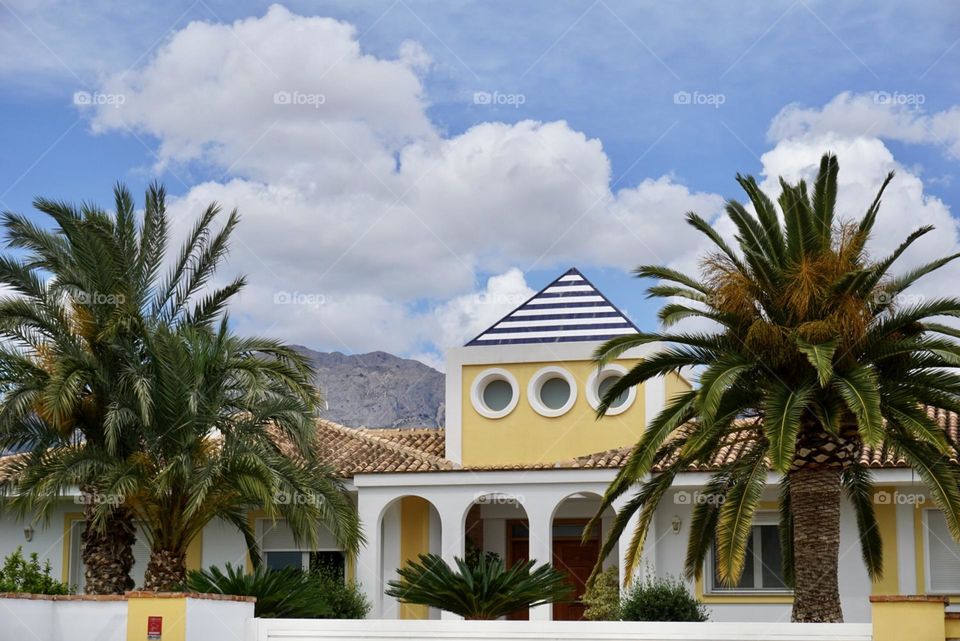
(26,619)
(384,630)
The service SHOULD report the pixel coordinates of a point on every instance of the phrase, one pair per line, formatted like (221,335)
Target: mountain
(378,389)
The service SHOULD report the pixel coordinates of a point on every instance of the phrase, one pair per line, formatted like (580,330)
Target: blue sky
(597,80)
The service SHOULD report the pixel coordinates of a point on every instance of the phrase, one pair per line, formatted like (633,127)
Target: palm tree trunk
(107,554)
(815,502)
(166,570)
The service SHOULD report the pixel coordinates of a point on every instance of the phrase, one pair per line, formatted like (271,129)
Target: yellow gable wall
(524,436)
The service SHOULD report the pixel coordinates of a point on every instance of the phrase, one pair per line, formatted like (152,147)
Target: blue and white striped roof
(568,309)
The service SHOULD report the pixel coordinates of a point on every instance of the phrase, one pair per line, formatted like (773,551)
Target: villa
(520,468)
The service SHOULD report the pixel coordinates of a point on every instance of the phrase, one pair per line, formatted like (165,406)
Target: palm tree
(814,359)
(231,425)
(483,589)
(84,294)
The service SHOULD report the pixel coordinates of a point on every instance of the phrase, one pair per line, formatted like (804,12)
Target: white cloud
(464,317)
(864,163)
(888,115)
(347,190)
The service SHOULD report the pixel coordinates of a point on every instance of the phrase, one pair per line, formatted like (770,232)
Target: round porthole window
(600,383)
(552,391)
(494,393)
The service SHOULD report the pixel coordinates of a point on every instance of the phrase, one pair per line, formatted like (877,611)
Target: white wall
(47,539)
(221,620)
(50,620)
(671,549)
(309,630)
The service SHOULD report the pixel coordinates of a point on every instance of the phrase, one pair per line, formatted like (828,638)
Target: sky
(408,172)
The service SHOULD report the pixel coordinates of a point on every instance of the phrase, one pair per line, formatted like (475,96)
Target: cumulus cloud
(365,226)
(864,163)
(888,115)
(348,190)
(464,317)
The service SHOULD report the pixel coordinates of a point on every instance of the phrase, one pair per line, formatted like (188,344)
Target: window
(76,569)
(943,554)
(605,386)
(763,565)
(552,391)
(280,550)
(600,382)
(497,395)
(494,393)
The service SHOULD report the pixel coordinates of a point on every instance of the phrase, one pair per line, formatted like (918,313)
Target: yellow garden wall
(913,618)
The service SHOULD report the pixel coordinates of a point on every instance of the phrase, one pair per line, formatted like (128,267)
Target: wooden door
(576,560)
(518,551)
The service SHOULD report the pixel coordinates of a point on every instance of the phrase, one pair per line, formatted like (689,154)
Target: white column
(540,519)
(648,559)
(368,569)
(452,539)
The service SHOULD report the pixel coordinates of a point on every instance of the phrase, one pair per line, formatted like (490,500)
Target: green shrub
(661,599)
(345,599)
(602,597)
(284,594)
(482,589)
(29,576)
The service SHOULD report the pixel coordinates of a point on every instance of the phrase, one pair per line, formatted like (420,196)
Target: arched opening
(496,524)
(409,526)
(574,556)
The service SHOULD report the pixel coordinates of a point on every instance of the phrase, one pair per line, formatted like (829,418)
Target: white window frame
(597,377)
(304,553)
(760,519)
(537,381)
(925,542)
(480,383)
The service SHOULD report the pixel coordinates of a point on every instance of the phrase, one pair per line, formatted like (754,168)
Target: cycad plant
(84,288)
(816,355)
(230,425)
(483,589)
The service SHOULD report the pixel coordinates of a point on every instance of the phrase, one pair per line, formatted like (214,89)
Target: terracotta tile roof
(352,450)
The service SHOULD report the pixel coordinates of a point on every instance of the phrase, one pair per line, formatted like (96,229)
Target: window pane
(280,560)
(772,570)
(568,530)
(555,393)
(944,554)
(77,572)
(520,531)
(331,563)
(497,395)
(746,579)
(605,386)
